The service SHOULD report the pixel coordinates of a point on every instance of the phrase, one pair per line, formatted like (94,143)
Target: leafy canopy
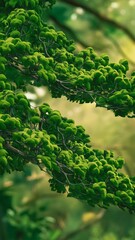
(32,52)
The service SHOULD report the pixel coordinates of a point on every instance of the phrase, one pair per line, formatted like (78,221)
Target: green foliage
(34,53)
(26,4)
(31,212)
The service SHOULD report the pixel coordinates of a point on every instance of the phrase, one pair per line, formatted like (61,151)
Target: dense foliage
(34,53)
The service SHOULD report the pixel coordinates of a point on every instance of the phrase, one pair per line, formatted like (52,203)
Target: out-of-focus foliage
(29,210)
(34,53)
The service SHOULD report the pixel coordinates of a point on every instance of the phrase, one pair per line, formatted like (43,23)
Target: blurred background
(28,209)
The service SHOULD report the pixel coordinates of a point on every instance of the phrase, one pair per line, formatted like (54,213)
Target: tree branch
(102,17)
(83,227)
(118,46)
(15,150)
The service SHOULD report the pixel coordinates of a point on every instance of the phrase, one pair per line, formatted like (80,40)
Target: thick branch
(118,46)
(102,17)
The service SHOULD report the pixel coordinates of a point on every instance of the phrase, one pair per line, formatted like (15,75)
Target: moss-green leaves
(27,3)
